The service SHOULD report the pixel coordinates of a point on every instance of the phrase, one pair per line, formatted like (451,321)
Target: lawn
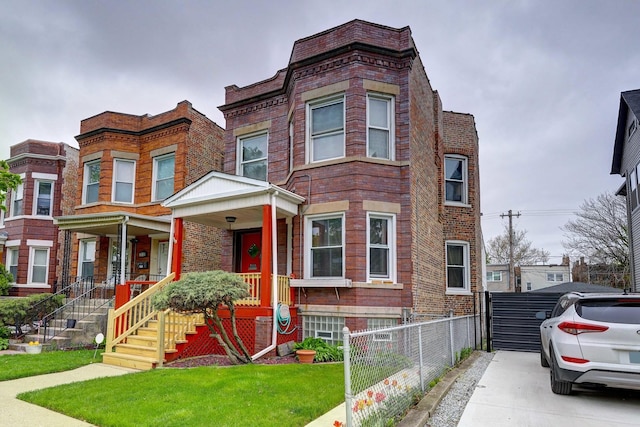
(27,365)
(249,395)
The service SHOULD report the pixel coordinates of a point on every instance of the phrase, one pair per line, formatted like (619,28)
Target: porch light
(230,219)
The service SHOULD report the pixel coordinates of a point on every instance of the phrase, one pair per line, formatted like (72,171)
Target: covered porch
(255,213)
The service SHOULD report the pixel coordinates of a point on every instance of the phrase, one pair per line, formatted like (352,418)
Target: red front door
(250,252)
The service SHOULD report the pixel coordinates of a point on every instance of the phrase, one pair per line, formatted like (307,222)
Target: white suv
(592,340)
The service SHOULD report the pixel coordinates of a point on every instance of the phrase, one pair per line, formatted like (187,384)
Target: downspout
(274,280)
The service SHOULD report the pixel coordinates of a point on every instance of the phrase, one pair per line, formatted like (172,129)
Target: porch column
(265,268)
(175,247)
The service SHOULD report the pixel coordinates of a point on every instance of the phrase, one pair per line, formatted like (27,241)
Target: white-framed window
(381,246)
(87,257)
(325,129)
(43,198)
(163,176)
(632,127)
(380,126)
(38,264)
(91,181)
(12,262)
(555,277)
(633,186)
(494,276)
(325,242)
(328,328)
(123,178)
(17,200)
(458,278)
(252,155)
(455,171)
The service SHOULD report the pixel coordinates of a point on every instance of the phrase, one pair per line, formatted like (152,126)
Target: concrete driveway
(515,391)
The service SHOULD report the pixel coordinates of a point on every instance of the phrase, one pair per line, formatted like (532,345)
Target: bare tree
(523,252)
(600,231)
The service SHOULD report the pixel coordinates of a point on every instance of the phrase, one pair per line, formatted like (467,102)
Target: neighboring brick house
(626,163)
(373,189)
(30,238)
(128,165)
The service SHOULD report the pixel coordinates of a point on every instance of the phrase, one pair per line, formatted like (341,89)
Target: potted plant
(316,349)
(34,347)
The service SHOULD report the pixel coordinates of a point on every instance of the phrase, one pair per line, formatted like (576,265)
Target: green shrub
(6,279)
(21,311)
(324,352)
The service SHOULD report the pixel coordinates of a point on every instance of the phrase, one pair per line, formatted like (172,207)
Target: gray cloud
(542,78)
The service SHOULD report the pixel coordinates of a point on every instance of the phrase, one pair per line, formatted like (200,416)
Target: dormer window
(632,127)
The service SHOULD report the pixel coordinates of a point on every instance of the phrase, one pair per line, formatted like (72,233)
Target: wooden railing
(253,279)
(125,321)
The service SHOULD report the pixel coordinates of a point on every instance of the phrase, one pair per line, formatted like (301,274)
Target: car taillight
(575,328)
(574,359)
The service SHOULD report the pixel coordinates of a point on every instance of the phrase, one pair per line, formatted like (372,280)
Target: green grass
(27,365)
(249,395)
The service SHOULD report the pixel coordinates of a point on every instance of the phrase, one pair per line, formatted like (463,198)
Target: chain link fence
(388,370)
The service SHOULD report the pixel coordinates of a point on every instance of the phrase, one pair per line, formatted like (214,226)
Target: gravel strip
(451,407)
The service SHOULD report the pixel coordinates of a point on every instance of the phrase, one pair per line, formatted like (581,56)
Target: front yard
(251,395)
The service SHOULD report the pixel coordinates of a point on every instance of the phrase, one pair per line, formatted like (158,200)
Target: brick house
(343,173)
(28,237)
(128,165)
(626,163)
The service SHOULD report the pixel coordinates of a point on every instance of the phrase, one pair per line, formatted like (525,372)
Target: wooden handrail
(125,320)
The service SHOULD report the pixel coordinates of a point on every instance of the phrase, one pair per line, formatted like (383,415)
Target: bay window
(91,182)
(325,239)
(123,178)
(252,156)
(163,176)
(325,129)
(380,126)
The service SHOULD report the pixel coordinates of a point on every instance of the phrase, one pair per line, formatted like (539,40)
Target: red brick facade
(352,61)
(196,143)
(31,230)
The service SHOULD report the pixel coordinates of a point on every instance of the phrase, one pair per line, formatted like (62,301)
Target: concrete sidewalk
(515,391)
(16,413)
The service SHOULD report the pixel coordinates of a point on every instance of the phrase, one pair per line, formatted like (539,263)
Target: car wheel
(543,359)
(557,386)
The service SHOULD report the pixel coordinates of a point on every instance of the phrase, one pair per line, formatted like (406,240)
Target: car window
(561,306)
(611,311)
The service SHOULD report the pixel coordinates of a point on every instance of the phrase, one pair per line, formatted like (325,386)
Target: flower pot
(306,356)
(33,349)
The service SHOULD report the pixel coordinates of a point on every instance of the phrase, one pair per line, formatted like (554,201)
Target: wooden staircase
(140,351)
(140,337)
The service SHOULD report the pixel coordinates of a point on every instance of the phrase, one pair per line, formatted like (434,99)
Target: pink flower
(380,397)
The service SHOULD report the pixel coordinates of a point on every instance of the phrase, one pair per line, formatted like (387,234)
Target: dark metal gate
(513,324)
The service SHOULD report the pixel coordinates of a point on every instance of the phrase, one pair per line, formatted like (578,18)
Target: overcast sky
(542,77)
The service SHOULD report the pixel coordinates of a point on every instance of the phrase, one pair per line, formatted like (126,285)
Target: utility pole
(512,282)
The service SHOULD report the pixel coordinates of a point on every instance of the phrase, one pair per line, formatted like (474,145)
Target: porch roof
(216,196)
(106,223)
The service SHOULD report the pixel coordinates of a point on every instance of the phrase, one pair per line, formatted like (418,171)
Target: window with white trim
(457,254)
(455,169)
(38,264)
(325,241)
(325,129)
(555,277)
(17,198)
(163,176)
(381,253)
(87,257)
(380,125)
(91,182)
(123,178)
(43,197)
(12,262)
(328,328)
(494,276)
(252,156)
(633,188)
